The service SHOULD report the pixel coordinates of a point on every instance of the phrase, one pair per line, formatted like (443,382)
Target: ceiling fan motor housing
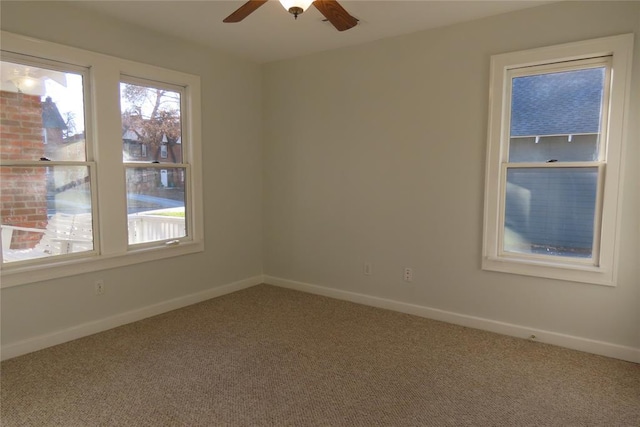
(295,11)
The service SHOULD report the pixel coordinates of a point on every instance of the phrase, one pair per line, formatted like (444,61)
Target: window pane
(556,116)
(151,124)
(42,114)
(550,211)
(580,148)
(46,211)
(156,204)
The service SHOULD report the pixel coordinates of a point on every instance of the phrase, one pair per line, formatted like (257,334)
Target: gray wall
(232,158)
(377,153)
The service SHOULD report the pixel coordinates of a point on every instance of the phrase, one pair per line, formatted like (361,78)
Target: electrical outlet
(99,287)
(367,269)
(408,274)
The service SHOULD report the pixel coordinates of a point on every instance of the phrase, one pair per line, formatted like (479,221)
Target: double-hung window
(554,158)
(99,161)
(47,170)
(156,187)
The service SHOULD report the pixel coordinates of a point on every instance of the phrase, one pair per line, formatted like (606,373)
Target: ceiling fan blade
(336,14)
(245,10)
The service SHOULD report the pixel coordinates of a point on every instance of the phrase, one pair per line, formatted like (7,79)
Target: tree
(70,122)
(153,114)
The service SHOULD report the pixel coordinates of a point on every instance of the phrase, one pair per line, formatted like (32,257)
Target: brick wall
(23,192)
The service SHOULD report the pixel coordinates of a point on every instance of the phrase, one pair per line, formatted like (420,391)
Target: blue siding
(553,209)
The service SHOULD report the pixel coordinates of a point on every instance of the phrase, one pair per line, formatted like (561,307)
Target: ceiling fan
(331,10)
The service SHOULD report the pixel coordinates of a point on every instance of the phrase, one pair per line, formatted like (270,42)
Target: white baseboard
(43,341)
(576,343)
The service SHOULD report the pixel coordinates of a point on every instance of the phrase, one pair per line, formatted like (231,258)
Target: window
(72,200)
(156,205)
(554,159)
(47,172)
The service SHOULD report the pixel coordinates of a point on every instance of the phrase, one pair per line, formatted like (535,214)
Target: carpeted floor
(275,357)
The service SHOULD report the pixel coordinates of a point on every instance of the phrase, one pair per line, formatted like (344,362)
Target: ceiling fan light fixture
(24,82)
(296,7)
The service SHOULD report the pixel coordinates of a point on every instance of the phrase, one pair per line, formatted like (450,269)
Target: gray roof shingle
(564,103)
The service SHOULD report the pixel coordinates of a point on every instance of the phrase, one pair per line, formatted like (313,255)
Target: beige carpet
(276,357)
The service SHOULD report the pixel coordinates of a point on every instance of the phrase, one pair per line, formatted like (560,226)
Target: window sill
(71,267)
(573,273)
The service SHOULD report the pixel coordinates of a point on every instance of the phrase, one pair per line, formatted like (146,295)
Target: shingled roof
(565,103)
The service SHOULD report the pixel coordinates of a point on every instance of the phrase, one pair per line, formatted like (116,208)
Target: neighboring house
(52,123)
(133,147)
(29,196)
(136,149)
(57,143)
(24,201)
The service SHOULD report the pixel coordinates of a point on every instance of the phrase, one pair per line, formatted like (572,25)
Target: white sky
(68,99)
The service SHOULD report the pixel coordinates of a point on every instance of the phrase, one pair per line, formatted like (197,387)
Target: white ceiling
(271,33)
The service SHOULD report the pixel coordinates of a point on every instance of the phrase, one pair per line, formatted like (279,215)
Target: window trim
(604,271)
(103,123)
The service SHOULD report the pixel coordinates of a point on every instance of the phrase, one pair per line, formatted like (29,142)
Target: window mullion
(105,80)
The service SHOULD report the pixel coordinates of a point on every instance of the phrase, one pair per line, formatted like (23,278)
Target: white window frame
(108,186)
(602,268)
